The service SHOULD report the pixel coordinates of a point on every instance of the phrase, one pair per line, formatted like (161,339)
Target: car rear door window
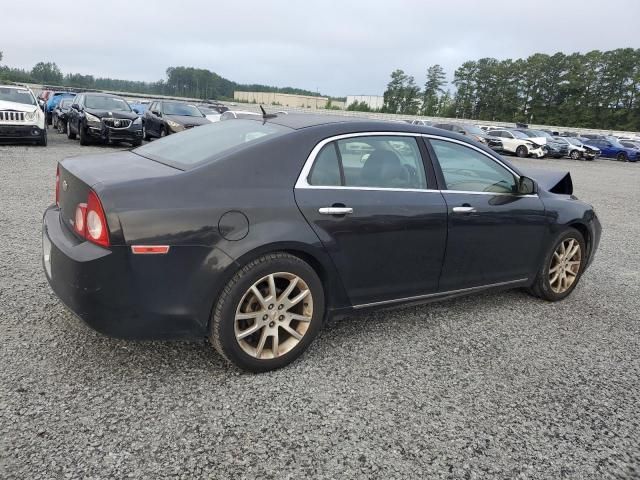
(326,168)
(382,162)
(466,169)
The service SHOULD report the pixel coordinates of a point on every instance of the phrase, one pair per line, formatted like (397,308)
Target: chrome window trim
(441,294)
(303,183)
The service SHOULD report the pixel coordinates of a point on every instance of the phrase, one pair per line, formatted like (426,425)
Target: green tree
(47,73)
(402,94)
(433,88)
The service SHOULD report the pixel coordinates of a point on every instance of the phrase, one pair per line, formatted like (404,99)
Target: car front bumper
(110,134)
(130,296)
(14,133)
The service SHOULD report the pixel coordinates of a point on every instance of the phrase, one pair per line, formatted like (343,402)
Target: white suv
(21,119)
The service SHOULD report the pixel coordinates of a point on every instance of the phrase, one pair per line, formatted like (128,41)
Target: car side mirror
(526,186)
(75,106)
(156,112)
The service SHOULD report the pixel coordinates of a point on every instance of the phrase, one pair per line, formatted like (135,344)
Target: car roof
(96,94)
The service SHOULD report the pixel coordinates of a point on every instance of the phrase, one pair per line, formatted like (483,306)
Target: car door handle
(335,210)
(464,210)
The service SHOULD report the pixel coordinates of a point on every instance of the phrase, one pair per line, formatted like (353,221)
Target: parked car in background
(104,118)
(139,107)
(418,121)
(473,132)
(517,143)
(43,96)
(61,113)
(578,150)
(53,101)
(274,225)
(231,114)
(165,117)
(212,112)
(21,119)
(610,147)
(552,147)
(630,144)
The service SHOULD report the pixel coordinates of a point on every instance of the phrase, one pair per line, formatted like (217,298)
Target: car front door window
(465,169)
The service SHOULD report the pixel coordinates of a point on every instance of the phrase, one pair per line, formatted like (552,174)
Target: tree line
(596,89)
(180,81)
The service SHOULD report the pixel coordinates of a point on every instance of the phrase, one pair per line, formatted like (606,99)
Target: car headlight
(173,124)
(30,116)
(137,121)
(91,118)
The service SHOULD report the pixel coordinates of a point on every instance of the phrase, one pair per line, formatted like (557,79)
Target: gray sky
(337,47)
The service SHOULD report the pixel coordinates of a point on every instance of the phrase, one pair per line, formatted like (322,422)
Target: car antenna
(266,115)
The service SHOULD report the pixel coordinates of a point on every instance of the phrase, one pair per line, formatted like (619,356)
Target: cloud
(338,48)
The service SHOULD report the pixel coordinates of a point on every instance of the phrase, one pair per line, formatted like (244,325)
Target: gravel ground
(489,386)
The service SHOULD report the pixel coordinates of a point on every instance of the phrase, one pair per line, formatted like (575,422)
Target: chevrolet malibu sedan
(252,232)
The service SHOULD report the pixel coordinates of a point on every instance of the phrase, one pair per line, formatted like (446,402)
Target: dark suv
(164,117)
(473,132)
(105,118)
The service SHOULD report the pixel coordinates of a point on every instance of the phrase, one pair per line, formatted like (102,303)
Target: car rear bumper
(130,296)
(13,133)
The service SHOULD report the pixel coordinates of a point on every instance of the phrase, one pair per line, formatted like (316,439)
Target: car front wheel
(622,157)
(268,313)
(522,151)
(575,155)
(562,267)
(70,135)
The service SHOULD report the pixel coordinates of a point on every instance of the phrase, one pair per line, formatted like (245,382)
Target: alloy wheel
(575,154)
(565,265)
(273,315)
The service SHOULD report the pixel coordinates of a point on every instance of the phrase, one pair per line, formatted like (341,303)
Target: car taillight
(58,185)
(81,217)
(91,222)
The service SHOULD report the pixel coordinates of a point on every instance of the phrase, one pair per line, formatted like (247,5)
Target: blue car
(139,108)
(53,102)
(610,147)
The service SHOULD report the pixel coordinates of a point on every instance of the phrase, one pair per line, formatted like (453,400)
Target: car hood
(550,180)
(114,114)
(187,120)
(18,107)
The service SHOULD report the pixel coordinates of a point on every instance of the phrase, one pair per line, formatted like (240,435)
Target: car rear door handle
(464,210)
(335,210)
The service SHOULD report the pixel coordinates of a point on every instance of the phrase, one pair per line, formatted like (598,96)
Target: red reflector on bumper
(149,249)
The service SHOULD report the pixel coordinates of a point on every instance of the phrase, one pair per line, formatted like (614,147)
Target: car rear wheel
(268,313)
(70,135)
(575,155)
(562,267)
(522,151)
(622,157)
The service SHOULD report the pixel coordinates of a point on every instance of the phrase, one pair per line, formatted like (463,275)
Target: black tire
(222,326)
(145,135)
(136,143)
(70,134)
(574,155)
(541,286)
(82,134)
(163,132)
(622,157)
(522,151)
(43,141)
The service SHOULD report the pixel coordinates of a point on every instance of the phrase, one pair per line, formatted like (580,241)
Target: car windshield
(519,134)
(474,130)
(614,141)
(184,109)
(206,143)
(573,141)
(540,133)
(208,111)
(100,102)
(66,102)
(17,95)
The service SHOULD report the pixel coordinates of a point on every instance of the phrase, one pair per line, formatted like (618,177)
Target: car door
(74,114)
(494,234)
(377,214)
(154,119)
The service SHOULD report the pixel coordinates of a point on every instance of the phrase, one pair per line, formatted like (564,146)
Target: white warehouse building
(375,102)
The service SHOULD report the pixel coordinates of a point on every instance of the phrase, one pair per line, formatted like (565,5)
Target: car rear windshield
(204,144)
(17,95)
